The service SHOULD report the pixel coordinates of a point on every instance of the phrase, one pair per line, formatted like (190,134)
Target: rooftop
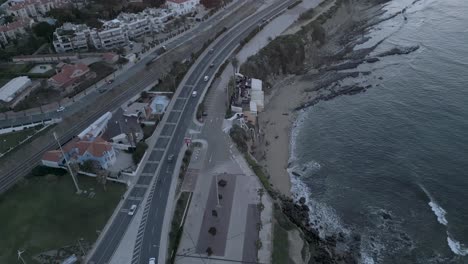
(8,91)
(70,72)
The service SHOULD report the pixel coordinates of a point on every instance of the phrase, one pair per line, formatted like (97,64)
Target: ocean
(392,163)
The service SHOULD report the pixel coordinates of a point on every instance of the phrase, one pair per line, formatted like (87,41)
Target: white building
(13,88)
(114,33)
(14,29)
(32,8)
(182,7)
(71,37)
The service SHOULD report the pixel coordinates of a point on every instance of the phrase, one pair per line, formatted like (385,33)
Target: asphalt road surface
(147,244)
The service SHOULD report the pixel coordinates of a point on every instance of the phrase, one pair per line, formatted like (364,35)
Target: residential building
(123,131)
(70,37)
(33,8)
(79,151)
(113,34)
(182,7)
(248,97)
(69,75)
(13,88)
(14,29)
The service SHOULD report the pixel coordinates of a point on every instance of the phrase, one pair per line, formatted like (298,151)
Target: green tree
(140,150)
(44,30)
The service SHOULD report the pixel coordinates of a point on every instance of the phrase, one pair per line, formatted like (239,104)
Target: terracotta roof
(53,155)
(20,23)
(70,72)
(109,56)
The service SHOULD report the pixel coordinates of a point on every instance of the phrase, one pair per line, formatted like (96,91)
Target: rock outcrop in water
(323,250)
(399,51)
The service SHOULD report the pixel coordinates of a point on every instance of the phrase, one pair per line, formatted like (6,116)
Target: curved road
(170,141)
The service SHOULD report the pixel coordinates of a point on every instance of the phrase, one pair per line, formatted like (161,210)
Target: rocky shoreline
(321,52)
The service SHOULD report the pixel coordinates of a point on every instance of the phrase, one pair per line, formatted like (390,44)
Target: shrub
(41,170)
(140,150)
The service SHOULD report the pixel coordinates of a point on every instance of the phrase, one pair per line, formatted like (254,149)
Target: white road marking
(209,161)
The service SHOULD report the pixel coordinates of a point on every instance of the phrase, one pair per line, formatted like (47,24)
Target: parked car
(152,261)
(206,78)
(60,109)
(110,81)
(194,94)
(132,209)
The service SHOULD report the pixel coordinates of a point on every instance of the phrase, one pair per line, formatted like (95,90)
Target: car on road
(102,90)
(60,109)
(152,261)
(132,209)
(170,158)
(206,78)
(211,65)
(204,113)
(194,94)
(211,51)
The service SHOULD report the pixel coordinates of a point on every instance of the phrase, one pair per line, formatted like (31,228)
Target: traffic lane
(108,244)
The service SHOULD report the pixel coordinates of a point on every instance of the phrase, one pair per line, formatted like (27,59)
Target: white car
(206,78)
(132,209)
(60,109)
(194,94)
(152,261)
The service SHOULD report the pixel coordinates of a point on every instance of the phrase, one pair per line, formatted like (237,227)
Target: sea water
(392,163)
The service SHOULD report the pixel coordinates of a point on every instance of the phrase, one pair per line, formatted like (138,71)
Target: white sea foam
(457,247)
(436,208)
(439,212)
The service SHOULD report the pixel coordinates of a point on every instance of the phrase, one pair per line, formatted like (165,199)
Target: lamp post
(68,165)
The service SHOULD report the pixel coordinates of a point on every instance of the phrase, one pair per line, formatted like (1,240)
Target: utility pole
(75,181)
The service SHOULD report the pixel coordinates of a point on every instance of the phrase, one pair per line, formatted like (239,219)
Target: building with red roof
(95,149)
(69,75)
(14,29)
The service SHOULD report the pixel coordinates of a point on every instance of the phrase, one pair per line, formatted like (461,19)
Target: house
(14,29)
(54,159)
(81,150)
(33,8)
(123,130)
(182,7)
(69,75)
(248,97)
(13,88)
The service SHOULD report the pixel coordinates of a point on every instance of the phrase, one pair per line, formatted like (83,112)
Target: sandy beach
(275,123)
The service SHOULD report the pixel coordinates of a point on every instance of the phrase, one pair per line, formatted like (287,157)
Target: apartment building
(182,7)
(32,8)
(114,33)
(14,29)
(71,37)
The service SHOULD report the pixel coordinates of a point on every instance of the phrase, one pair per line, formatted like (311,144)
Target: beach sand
(275,123)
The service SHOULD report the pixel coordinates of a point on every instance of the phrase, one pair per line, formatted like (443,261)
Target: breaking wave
(457,247)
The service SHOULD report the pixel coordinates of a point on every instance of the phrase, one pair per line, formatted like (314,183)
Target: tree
(44,30)
(235,64)
(8,19)
(211,3)
(139,152)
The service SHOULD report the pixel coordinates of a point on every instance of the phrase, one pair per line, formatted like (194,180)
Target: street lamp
(68,165)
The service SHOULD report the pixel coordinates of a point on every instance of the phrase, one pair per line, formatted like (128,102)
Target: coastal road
(179,117)
(125,86)
(150,231)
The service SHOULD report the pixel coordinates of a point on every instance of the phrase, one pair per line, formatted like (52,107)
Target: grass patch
(51,215)
(177,225)
(261,175)
(281,218)
(11,140)
(280,245)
